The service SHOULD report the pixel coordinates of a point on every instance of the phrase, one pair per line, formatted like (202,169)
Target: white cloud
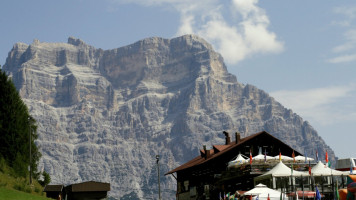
(237,29)
(346,49)
(343,59)
(350,37)
(317,104)
(343,47)
(348,11)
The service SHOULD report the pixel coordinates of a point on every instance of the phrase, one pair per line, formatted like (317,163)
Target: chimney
(206,152)
(227,138)
(238,137)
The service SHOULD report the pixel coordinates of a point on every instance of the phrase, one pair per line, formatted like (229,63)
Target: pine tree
(16,129)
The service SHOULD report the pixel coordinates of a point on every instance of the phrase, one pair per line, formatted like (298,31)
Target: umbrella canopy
(301,159)
(261,158)
(281,170)
(262,191)
(238,161)
(321,170)
(284,158)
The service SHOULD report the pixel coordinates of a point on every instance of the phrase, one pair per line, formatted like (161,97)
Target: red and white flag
(250,157)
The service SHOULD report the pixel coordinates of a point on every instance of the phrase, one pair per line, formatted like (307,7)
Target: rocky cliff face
(104,114)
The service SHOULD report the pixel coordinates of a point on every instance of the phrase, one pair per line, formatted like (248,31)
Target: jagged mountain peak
(76,42)
(190,40)
(104,114)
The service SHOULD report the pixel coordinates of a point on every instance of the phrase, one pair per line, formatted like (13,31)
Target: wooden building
(207,175)
(54,191)
(87,190)
(90,190)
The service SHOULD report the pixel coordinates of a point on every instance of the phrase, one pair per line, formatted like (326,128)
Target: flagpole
(159,184)
(337,190)
(303,187)
(332,183)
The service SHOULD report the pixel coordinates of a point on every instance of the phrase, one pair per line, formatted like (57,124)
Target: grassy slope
(18,188)
(11,194)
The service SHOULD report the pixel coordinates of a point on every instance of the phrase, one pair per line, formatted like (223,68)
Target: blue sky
(301,52)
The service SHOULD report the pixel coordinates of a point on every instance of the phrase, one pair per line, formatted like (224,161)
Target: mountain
(104,114)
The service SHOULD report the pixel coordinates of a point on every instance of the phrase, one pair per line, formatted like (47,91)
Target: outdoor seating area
(292,177)
(259,161)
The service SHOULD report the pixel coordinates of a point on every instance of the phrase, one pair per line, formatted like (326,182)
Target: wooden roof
(89,186)
(219,150)
(53,188)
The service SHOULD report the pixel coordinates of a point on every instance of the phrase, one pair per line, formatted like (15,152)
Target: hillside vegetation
(18,150)
(16,187)
(9,194)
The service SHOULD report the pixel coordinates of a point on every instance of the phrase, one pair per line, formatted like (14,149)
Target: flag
(265,156)
(351,170)
(326,157)
(280,156)
(306,158)
(293,156)
(250,157)
(291,170)
(337,196)
(316,156)
(317,193)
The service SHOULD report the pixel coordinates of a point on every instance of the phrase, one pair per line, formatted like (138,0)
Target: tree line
(18,132)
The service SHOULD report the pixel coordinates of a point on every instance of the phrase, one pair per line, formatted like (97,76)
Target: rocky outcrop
(104,114)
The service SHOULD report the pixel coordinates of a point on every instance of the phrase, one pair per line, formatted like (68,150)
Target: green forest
(19,155)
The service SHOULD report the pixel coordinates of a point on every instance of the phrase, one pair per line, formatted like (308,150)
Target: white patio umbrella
(240,160)
(262,191)
(321,170)
(261,158)
(301,159)
(280,170)
(284,158)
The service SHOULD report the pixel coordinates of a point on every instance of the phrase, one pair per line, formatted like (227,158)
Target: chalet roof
(219,150)
(89,186)
(53,188)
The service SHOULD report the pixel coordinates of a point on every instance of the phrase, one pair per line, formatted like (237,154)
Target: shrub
(46,179)
(19,187)
(28,189)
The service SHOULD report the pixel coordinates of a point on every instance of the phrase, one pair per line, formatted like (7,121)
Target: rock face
(103,115)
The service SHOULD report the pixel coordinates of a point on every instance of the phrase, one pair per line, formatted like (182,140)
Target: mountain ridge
(105,114)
